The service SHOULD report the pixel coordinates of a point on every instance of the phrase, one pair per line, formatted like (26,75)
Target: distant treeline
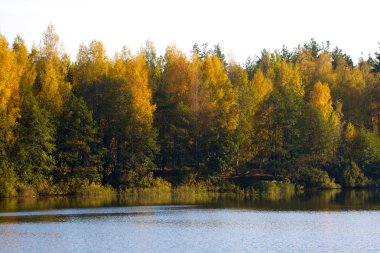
(308,116)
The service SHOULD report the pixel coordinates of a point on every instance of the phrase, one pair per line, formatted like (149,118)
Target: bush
(8,180)
(26,190)
(354,177)
(313,177)
(94,189)
(276,189)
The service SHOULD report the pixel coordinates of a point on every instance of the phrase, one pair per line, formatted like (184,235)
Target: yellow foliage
(320,96)
(324,69)
(221,93)
(137,77)
(92,63)
(26,67)
(262,86)
(349,77)
(51,71)
(176,74)
(306,64)
(291,78)
(9,89)
(350,132)
(50,81)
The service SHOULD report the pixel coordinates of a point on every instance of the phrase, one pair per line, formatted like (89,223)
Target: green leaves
(35,142)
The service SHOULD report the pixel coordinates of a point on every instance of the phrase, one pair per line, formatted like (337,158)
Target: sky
(242,28)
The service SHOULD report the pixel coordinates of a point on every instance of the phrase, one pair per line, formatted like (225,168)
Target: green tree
(353,176)
(365,151)
(79,148)
(223,115)
(8,179)
(277,129)
(246,109)
(35,143)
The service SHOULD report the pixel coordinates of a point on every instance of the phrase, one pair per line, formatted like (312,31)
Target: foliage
(9,94)
(353,176)
(313,177)
(79,151)
(140,121)
(8,179)
(35,142)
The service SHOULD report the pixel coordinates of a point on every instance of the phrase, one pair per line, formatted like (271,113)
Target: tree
(338,54)
(324,68)
(35,143)
(79,150)
(92,64)
(246,111)
(353,176)
(290,78)
(375,63)
(277,129)
(51,72)
(173,116)
(143,146)
(320,97)
(365,152)
(26,67)
(319,138)
(262,87)
(223,115)
(306,63)
(329,125)
(350,88)
(9,95)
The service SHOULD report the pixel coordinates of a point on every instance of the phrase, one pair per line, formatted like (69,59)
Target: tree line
(308,115)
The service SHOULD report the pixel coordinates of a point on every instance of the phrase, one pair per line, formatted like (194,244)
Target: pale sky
(241,27)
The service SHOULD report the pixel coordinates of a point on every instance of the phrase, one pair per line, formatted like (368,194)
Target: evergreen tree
(35,143)
(78,144)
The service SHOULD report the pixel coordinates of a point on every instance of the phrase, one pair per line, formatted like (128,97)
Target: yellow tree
(306,63)
(92,63)
(9,91)
(51,71)
(320,97)
(324,69)
(176,74)
(221,93)
(200,106)
(290,78)
(26,67)
(261,86)
(137,77)
(223,116)
(246,111)
(350,88)
(329,128)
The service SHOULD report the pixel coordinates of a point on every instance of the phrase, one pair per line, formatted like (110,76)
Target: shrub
(8,180)
(353,176)
(313,177)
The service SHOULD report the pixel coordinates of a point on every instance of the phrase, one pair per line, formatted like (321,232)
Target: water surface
(330,221)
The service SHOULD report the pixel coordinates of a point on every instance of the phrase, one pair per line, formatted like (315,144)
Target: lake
(329,221)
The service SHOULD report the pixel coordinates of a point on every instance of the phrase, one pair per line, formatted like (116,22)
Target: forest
(307,116)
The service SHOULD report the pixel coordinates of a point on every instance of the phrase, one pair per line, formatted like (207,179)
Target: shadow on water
(47,209)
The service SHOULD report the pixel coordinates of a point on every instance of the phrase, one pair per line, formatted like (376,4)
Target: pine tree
(35,143)
(78,144)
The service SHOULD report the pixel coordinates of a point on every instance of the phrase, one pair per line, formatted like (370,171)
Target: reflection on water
(329,221)
(313,201)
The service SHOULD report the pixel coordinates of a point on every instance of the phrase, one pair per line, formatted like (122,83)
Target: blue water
(188,228)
